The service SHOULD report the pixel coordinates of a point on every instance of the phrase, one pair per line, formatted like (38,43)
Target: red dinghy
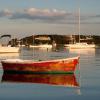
(67,65)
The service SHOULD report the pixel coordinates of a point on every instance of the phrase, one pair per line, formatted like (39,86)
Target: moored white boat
(80,46)
(6,47)
(9,49)
(41,46)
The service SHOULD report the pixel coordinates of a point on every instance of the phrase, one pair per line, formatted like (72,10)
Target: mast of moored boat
(79,24)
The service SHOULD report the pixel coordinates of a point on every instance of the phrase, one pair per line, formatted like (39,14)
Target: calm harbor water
(84,84)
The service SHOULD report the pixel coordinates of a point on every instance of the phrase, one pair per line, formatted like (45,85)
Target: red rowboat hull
(60,65)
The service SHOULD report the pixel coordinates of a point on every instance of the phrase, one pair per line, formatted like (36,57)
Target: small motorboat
(67,65)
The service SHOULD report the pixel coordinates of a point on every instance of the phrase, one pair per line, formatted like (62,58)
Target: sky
(26,17)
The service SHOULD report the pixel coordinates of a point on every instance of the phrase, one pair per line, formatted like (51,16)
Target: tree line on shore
(49,39)
(60,39)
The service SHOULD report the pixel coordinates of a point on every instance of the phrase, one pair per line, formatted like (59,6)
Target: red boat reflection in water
(68,80)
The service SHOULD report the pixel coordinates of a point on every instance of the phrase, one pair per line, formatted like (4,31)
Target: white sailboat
(80,45)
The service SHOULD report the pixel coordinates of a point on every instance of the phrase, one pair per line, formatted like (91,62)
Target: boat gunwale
(19,61)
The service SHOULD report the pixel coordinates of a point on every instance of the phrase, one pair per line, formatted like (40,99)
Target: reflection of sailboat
(87,51)
(68,80)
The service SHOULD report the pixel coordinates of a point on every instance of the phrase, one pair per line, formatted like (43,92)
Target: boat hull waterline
(80,46)
(52,66)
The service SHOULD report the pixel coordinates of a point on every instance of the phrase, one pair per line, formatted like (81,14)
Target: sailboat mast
(79,25)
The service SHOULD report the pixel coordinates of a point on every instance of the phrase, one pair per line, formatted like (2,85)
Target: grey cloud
(42,15)
(5,13)
(48,16)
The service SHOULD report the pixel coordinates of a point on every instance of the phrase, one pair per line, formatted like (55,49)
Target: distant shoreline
(61,39)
